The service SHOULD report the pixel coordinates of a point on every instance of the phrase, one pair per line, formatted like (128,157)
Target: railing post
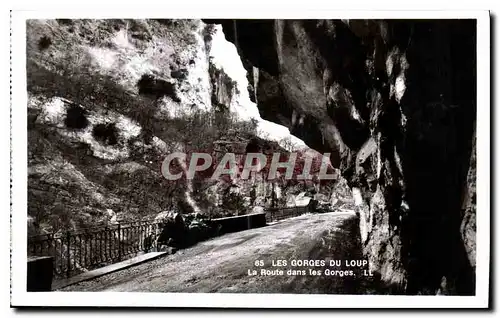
(80,249)
(68,238)
(156,226)
(119,242)
(100,247)
(106,247)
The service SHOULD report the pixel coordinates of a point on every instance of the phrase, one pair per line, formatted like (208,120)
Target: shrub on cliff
(198,231)
(179,231)
(106,133)
(234,202)
(44,43)
(173,230)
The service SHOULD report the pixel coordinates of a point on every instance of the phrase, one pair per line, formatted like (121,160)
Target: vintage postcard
(168,159)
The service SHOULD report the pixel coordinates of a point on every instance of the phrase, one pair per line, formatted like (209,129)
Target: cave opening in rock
(76,117)
(106,133)
(156,87)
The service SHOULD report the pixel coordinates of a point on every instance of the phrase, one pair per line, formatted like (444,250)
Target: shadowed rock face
(394,103)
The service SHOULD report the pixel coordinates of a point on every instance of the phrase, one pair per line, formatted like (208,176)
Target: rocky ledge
(394,103)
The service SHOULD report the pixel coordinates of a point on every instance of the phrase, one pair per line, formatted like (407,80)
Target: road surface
(227,263)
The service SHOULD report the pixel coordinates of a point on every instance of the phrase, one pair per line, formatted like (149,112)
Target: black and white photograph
(243,162)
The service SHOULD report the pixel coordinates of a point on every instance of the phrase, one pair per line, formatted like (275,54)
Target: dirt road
(226,263)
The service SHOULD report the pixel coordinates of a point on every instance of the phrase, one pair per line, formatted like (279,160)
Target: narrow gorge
(392,101)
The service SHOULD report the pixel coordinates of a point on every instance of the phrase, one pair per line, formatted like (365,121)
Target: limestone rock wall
(394,103)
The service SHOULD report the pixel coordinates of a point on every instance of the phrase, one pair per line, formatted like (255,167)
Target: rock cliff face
(394,103)
(109,99)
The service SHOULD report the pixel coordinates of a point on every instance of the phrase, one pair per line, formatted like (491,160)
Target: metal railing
(280,213)
(75,252)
